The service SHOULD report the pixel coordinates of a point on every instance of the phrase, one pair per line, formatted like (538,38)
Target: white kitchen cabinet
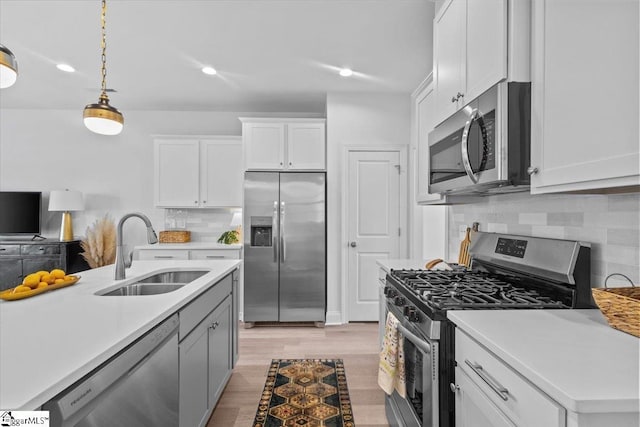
(490,393)
(198,172)
(160,253)
(584,100)
(470,52)
(284,144)
(207,335)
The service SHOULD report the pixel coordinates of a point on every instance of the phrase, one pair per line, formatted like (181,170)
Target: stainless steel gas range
(507,272)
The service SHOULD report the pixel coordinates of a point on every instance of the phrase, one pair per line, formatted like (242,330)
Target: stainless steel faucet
(151,237)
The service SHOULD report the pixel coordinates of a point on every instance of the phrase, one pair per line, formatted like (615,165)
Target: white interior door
(373,219)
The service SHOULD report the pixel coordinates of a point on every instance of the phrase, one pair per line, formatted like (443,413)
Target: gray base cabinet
(207,336)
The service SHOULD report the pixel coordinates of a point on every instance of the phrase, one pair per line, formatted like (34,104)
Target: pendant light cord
(103,44)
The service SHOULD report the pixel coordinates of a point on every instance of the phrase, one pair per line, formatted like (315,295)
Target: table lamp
(65,201)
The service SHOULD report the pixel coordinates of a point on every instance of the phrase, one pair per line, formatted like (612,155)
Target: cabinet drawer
(40,249)
(154,254)
(198,309)
(214,254)
(521,401)
(9,250)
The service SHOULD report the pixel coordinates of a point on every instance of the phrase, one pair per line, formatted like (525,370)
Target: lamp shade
(65,200)
(236,221)
(8,67)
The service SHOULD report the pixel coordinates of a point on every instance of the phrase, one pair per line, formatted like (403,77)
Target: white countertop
(51,340)
(571,355)
(191,245)
(407,264)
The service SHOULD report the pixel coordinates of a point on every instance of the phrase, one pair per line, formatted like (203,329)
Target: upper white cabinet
(584,99)
(470,51)
(283,144)
(198,172)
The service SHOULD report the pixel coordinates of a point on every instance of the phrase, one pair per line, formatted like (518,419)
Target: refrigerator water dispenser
(261,230)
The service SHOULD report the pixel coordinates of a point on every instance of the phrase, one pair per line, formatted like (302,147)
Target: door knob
(532,170)
(353,244)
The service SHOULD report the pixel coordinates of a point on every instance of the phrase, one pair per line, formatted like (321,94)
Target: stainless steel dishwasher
(137,387)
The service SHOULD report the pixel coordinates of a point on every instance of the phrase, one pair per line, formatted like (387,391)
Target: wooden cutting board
(464,257)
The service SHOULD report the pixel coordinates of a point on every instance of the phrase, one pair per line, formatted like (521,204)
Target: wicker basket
(175,236)
(621,307)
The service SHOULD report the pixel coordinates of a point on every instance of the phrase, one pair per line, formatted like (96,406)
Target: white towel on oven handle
(391,370)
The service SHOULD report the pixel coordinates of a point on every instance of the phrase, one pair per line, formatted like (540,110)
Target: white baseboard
(333,318)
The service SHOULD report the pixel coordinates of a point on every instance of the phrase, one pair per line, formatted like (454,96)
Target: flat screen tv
(20,212)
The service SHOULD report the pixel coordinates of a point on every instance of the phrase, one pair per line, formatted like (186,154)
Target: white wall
(355,119)
(43,150)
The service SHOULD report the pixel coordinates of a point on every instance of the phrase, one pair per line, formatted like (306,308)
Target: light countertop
(407,264)
(51,340)
(191,245)
(571,355)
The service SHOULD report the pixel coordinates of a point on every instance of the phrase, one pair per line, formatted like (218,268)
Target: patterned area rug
(305,393)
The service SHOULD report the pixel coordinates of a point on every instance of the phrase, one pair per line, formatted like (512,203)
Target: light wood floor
(356,344)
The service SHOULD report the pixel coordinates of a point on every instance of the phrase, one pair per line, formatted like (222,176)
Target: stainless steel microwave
(484,148)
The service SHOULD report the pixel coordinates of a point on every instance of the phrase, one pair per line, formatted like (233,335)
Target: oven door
(420,407)
(464,151)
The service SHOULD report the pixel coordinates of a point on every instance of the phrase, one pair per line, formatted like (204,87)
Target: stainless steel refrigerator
(284,247)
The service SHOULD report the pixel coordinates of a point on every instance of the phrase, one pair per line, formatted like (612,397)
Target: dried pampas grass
(100,243)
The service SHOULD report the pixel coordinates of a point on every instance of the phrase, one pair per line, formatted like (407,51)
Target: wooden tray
(8,294)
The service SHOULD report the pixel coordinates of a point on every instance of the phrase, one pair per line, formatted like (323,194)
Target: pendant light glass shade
(8,68)
(102,118)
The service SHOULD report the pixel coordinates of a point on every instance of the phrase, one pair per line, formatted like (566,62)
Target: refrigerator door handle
(274,232)
(283,256)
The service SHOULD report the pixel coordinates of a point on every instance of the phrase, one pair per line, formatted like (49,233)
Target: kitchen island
(51,340)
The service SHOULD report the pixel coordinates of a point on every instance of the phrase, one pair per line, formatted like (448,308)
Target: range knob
(391,293)
(399,301)
(411,314)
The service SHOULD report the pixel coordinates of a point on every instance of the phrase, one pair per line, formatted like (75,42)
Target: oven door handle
(464,146)
(420,343)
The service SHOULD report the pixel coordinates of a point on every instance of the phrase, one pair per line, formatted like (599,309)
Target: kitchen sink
(173,277)
(159,283)
(144,289)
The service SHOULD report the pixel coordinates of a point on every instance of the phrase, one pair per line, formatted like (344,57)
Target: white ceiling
(271,55)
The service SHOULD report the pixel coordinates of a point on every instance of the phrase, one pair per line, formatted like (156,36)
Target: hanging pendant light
(8,67)
(102,118)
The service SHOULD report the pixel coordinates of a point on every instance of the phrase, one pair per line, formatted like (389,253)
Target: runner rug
(305,393)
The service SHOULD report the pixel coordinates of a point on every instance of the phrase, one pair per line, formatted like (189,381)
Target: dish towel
(391,371)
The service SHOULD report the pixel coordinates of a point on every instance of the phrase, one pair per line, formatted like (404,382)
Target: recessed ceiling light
(209,70)
(66,68)
(346,72)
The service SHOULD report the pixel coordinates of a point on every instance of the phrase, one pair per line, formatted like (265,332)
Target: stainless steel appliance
(284,247)
(137,387)
(485,147)
(507,272)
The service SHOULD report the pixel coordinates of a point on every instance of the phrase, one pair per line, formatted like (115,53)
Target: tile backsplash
(206,225)
(611,223)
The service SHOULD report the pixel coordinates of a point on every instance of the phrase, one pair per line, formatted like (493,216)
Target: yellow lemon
(69,278)
(21,288)
(47,278)
(42,285)
(57,273)
(31,280)
(57,281)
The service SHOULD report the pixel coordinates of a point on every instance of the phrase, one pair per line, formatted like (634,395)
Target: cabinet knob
(204,202)
(459,95)
(532,170)
(454,387)
(290,163)
(353,244)
(453,99)
(281,163)
(195,202)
